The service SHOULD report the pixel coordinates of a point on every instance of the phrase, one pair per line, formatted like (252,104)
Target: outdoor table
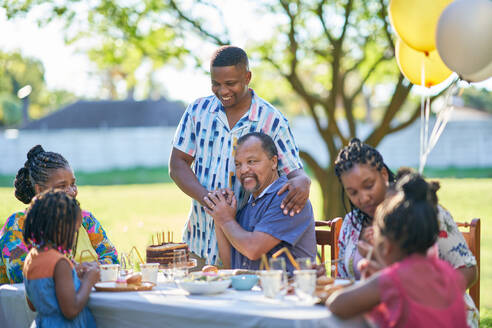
(168,306)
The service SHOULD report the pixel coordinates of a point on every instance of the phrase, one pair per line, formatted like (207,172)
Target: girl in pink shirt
(413,290)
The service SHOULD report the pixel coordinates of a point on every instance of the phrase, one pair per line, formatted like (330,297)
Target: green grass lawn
(132,213)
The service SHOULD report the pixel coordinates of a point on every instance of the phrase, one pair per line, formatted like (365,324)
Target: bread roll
(210,268)
(134,279)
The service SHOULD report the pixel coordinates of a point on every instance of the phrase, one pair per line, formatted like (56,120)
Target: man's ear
(274,163)
(248,77)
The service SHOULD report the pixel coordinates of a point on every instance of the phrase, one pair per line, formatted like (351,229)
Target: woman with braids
(44,170)
(53,288)
(413,289)
(365,180)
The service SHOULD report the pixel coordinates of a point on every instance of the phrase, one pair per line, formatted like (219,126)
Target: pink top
(420,292)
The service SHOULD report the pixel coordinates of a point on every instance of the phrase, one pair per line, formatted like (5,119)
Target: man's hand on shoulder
(298,186)
(221,205)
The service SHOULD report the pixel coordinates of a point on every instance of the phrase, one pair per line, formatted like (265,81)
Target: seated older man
(260,227)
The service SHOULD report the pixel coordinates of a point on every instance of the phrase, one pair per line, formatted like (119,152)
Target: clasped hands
(221,205)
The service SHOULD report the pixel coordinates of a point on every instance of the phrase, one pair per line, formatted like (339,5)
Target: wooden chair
(329,237)
(472,237)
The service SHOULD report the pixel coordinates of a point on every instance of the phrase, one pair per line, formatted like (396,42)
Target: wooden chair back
(472,238)
(327,235)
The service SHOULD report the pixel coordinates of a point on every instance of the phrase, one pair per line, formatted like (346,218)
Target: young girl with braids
(365,179)
(44,170)
(413,290)
(53,288)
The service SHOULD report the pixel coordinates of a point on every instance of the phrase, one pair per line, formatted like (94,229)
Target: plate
(112,286)
(204,287)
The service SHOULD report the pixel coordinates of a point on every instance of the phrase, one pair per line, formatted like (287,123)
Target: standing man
(260,227)
(202,158)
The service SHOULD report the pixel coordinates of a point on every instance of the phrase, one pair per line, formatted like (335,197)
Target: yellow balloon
(410,62)
(415,21)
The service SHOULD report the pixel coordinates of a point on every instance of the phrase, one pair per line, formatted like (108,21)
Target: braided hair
(409,216)
(36,170)
(51,221)
(357,152)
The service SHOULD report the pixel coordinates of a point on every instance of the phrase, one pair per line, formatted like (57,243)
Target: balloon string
(425,149)
(422,120)
(427,116)
(442,119)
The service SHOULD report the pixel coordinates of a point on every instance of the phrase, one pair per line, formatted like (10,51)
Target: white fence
(463,144)
(91,149)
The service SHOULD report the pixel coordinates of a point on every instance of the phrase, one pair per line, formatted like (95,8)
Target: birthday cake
(164,253)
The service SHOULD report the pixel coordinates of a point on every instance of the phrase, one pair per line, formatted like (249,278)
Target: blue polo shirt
(264,214)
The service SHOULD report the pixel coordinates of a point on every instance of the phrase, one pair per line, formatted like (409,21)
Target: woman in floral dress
(45,170)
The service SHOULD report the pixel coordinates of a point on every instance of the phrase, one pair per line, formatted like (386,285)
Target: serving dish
(244,281)
(204,287)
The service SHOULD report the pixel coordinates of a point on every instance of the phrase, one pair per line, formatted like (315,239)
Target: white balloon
(481,75)
(464,37)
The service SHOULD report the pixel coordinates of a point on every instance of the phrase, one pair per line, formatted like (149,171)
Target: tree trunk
(331,196)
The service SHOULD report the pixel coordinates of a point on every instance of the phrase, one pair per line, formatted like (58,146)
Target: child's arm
(71,302)
(356,299)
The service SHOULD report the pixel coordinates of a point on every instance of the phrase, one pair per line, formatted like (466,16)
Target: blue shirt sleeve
(288,152)
(284,227)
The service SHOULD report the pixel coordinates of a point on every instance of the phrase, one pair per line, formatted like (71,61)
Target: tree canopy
(119,36)
(329,59)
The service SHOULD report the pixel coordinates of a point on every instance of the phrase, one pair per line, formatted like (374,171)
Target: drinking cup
(126,265)
(305,263)
(280,264)
(109,272)
(277,263)
(271,282)
(149,272)
(305,283)
(179,264)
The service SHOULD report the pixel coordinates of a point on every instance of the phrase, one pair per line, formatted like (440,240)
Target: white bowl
(204,287)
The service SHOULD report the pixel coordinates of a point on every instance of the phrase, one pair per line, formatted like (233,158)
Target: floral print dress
(14,250)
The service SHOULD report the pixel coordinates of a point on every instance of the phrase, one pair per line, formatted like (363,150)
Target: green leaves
(17,71)
(119,36)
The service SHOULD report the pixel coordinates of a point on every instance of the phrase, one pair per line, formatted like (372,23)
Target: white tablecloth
(167,306)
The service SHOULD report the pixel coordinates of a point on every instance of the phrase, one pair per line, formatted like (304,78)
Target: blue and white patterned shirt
(204,134)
